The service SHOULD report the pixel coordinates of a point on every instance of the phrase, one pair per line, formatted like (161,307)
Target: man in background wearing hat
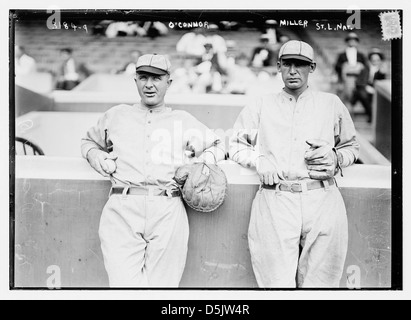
(262,55)
(364,86)
(144,227)
(210,70)
(297,140)
(350,63)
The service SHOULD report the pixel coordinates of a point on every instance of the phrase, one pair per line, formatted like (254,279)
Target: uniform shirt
(277,126)
(150,144)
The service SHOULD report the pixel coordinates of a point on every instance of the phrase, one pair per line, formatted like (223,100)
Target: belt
(299,186)
(142,191)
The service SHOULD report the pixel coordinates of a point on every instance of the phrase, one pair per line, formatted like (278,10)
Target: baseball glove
(203,186)
(321,160)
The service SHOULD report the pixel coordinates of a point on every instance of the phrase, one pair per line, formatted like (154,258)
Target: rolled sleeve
(346,140)
(242,144)
(95,137)
(205,143)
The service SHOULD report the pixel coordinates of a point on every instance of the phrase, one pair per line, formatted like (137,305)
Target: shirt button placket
(148,144)
(291,165)
(298,105)
(148,132)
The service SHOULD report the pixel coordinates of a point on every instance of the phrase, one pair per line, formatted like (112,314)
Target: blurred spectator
(185,76)
(124,29)
(281,40)
(263,55)
(210,71)
(218,42)
(350,64)
(23,63)
(239,76)
(364,90)
(229,25)
(192,43)
(155,29)
(270,29)
(98,28)
(70,73)
(378,68)
(231,52)
(130,67)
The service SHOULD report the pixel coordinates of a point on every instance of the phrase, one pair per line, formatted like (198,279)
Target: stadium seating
(102,54)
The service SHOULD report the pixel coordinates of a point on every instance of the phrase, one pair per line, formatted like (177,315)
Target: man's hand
(97,159)
(321,160)
(267,171)
(182,174)
(190,151)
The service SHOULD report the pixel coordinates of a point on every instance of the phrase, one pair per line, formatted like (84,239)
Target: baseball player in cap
(297,139)
(144,228)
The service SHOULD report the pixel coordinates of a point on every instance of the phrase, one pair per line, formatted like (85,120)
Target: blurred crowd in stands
(113,29)
(357,74)
(23,63)
(213,64)
(67,74)
(206,62)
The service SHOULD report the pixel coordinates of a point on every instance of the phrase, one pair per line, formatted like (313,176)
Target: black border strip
(12,158)
(397,158)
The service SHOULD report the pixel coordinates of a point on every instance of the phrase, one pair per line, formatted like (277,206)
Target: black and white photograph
(175,150)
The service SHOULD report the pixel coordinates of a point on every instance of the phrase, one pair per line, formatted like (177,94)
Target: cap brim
(296,56)
(152,70)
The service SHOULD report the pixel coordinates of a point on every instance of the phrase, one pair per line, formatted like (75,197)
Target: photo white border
(5,293)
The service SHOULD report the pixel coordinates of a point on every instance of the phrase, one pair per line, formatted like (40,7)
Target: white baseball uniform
(277,126)
(144,237)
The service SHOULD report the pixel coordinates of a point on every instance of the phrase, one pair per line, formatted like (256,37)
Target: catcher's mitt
(203,186)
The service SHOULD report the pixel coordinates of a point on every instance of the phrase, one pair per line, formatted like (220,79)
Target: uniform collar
(288,96)
(158,109)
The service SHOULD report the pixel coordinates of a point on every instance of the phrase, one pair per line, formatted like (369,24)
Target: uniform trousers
(283,222)
(144,240)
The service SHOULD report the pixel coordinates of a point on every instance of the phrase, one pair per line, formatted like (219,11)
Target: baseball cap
(295,49)
(153,63)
